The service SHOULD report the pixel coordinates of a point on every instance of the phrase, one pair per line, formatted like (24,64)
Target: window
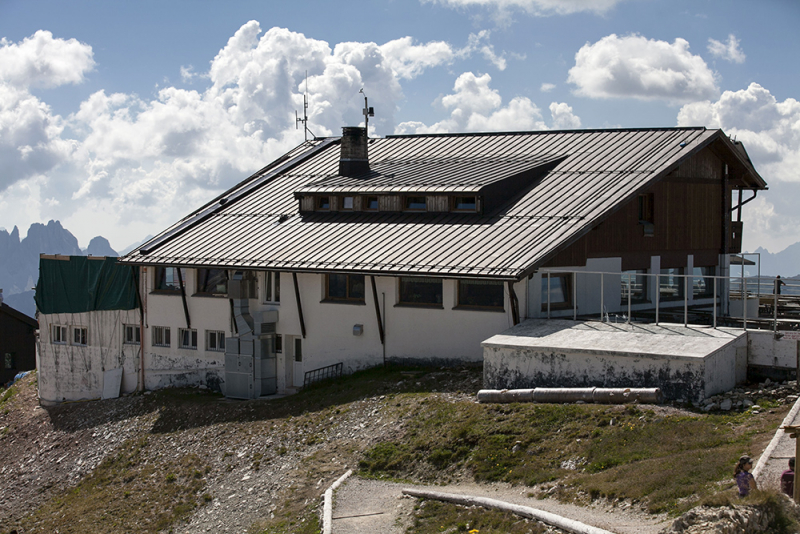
(10,360)
(347,203)
(133,334)
(416,203)
(187,338)
(370,203)
(670,284)
(344,287)
(161,336)
(420,291)
(58,334)
(298,349)
(323,203)
(634,284)
(464,204)
(215,340)
(212,282)
(481,294)
(278,343)
(80,335)
(272,286)
(167,279)
(703,282)
(559,290)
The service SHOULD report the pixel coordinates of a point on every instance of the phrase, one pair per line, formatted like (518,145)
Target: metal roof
(260,227)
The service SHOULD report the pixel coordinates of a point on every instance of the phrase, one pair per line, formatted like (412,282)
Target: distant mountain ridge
(19,259)
(785,263)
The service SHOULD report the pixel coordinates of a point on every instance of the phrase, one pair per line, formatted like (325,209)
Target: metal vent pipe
(563,395)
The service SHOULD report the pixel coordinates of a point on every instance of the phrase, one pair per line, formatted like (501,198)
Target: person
(787,479)
(778,284)
(744,479)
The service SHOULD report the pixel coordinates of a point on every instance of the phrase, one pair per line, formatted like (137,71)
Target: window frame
(318,203)
(681,283)
(165,336)
(454,204)
(217,335)
(635,273)
(62,338)
(191,343)
(136,334)
(566,287)
(348,298)
(407,200)
(272,288)
(343,203)
(365,200)
(160,278)
(460,305)
(10,360)
(204,274)
(402,280)
(83,334)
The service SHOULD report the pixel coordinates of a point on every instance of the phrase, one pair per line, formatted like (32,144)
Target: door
(298,363)
(269,365)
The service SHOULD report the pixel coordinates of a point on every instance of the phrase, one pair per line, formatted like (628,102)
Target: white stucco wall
(68,372)
(767,350)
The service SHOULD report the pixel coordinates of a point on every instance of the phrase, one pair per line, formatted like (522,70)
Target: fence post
(658,295)
(602,299)
(716,298)
(574,295)
(548,294)
(686,301)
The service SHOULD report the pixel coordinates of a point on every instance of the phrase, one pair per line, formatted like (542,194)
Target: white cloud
(770,131)
(42,61)
(636,67)
(475,107)
(547,87)
(539,8)
(563,118)
(729,51)
(123,162)
(479,42)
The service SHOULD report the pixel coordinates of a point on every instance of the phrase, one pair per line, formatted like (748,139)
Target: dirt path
(363,506)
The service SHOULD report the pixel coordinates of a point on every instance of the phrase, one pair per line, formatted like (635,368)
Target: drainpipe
(142,312)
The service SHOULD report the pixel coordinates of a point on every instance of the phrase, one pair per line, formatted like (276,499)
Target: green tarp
(81,284)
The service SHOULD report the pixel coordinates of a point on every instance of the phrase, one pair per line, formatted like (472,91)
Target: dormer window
(464,204)
(416,203)
(347,203)
(324,203)
(371,203)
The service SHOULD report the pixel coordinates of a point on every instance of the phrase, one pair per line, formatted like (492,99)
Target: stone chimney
(354,159)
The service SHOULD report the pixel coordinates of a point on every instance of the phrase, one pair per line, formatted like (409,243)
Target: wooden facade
(17,343)
(688,217)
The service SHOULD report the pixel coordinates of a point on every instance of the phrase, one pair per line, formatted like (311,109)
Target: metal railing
(323,373)
(673,291)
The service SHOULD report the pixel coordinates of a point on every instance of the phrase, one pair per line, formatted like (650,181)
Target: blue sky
(120,117)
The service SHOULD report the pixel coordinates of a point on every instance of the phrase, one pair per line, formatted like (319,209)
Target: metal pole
(716,297)
(602,299)
(574,295)
(658,295)
(629,299)
(775,309)
(548,294)
(744,301)
(686,301)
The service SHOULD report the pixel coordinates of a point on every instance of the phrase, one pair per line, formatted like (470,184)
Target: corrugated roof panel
(603,168)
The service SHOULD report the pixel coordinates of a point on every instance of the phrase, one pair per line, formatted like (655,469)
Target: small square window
(168,279)
(646,214)
(80,336)
(347,203)
(420,291)
(344,287)
(58,334)
(133,334)
(485,294)
(212,282)
(215,340)
(278,343)
(465,204)
(370,203)
(416,203)
(323,203)
(187,338)
(161,336)
(10,360)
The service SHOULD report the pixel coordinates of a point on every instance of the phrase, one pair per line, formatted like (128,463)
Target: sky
(118,118)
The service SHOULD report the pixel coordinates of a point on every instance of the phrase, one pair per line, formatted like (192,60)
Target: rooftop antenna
(367,111)
(304,120)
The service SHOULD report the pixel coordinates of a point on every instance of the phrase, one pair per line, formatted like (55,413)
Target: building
(17,342)
(353,251)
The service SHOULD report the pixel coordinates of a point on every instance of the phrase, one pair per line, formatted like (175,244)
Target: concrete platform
(688,363)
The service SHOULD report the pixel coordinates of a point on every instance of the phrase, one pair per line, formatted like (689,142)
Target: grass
(126,494)
(434,517)
(620,452)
